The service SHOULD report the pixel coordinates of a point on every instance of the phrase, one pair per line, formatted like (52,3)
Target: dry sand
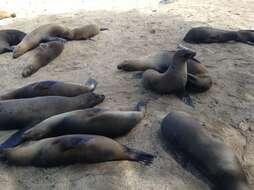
(226,110)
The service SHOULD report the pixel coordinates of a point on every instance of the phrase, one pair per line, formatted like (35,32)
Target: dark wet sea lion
(17,114)
(44,33)
(89,121)
(43,55)
(217,161)
(50,88)
(71,149)
(9,38)
(213,35)
(174,80)
(4,14)
(198,79)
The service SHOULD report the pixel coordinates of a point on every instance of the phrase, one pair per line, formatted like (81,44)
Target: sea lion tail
(91,83)
(140,156)
(140,106)
(103,29)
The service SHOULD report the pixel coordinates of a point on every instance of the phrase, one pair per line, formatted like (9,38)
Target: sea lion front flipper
(185,97)
(50,39)
(91,84)
(138,75)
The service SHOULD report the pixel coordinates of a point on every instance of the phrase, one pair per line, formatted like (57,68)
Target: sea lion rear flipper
(185,97)
(140,156)
(50,39)
(141,106)
(103,29)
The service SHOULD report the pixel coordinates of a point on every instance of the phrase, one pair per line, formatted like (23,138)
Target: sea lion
(50,88)
(85,32)
(198,79)
(44,33)
(9,38)
(17,114)
(43,55)
(217,161)
(95,121)
(71,149)
(212,35)
(174,80)
(4,14)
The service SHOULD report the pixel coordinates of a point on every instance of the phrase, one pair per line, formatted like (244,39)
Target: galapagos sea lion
(95,121)
(44,33)
(174,80)
(71,149)
(17,114)
(4,14)
(50,88)
(9,38)
(217,161)
(198,79)
(213,35)
(43,55)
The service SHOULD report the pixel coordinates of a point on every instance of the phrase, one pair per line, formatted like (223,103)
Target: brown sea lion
(217,161)
(43,55)
(17,114)
(213,35)
(89,121)
(50,88)
(198,79)
(9,38)
(71,149)
(4,14)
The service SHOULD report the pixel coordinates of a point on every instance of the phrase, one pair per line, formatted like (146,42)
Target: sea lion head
(184,53)
(19,50)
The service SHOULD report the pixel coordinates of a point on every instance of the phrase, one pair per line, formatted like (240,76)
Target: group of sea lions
(58,124)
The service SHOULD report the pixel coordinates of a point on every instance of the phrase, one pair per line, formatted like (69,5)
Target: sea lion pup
(17,114)
(85,32)
(89,121)
(4,14)
(44,33)
(198,79)
(43,55)
(212,35)
(174,80)
(9,38)
(71,149)
(50,88)
(217,161)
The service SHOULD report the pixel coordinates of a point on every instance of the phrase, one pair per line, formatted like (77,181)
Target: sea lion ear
(43,45)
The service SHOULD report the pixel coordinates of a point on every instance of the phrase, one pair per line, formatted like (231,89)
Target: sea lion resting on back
(71,149)
(198,79)
(212,35)
(52,32)
(50,88)
(43,55)
(217,161)
(89,121)
(9,38)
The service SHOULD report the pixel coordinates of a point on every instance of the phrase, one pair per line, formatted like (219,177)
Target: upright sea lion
(215,159)
(212,35)
(43,55)
(17,114)
(44,33)
(89,121)
(4,14)
(198,79)
(9,38)
(174,80)
(50,88)
(71,149)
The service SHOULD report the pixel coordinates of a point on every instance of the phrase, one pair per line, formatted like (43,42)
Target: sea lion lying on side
(71,149)
(4,14)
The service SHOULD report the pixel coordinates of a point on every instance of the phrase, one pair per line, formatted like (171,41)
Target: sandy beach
(139,28)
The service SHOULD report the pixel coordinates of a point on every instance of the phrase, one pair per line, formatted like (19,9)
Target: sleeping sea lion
(213,35)
(9,38)
(217,161)
(43,55)
(198,79)
(20,113)
(71,149)
(89,121)
(4,14)
(50,88)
